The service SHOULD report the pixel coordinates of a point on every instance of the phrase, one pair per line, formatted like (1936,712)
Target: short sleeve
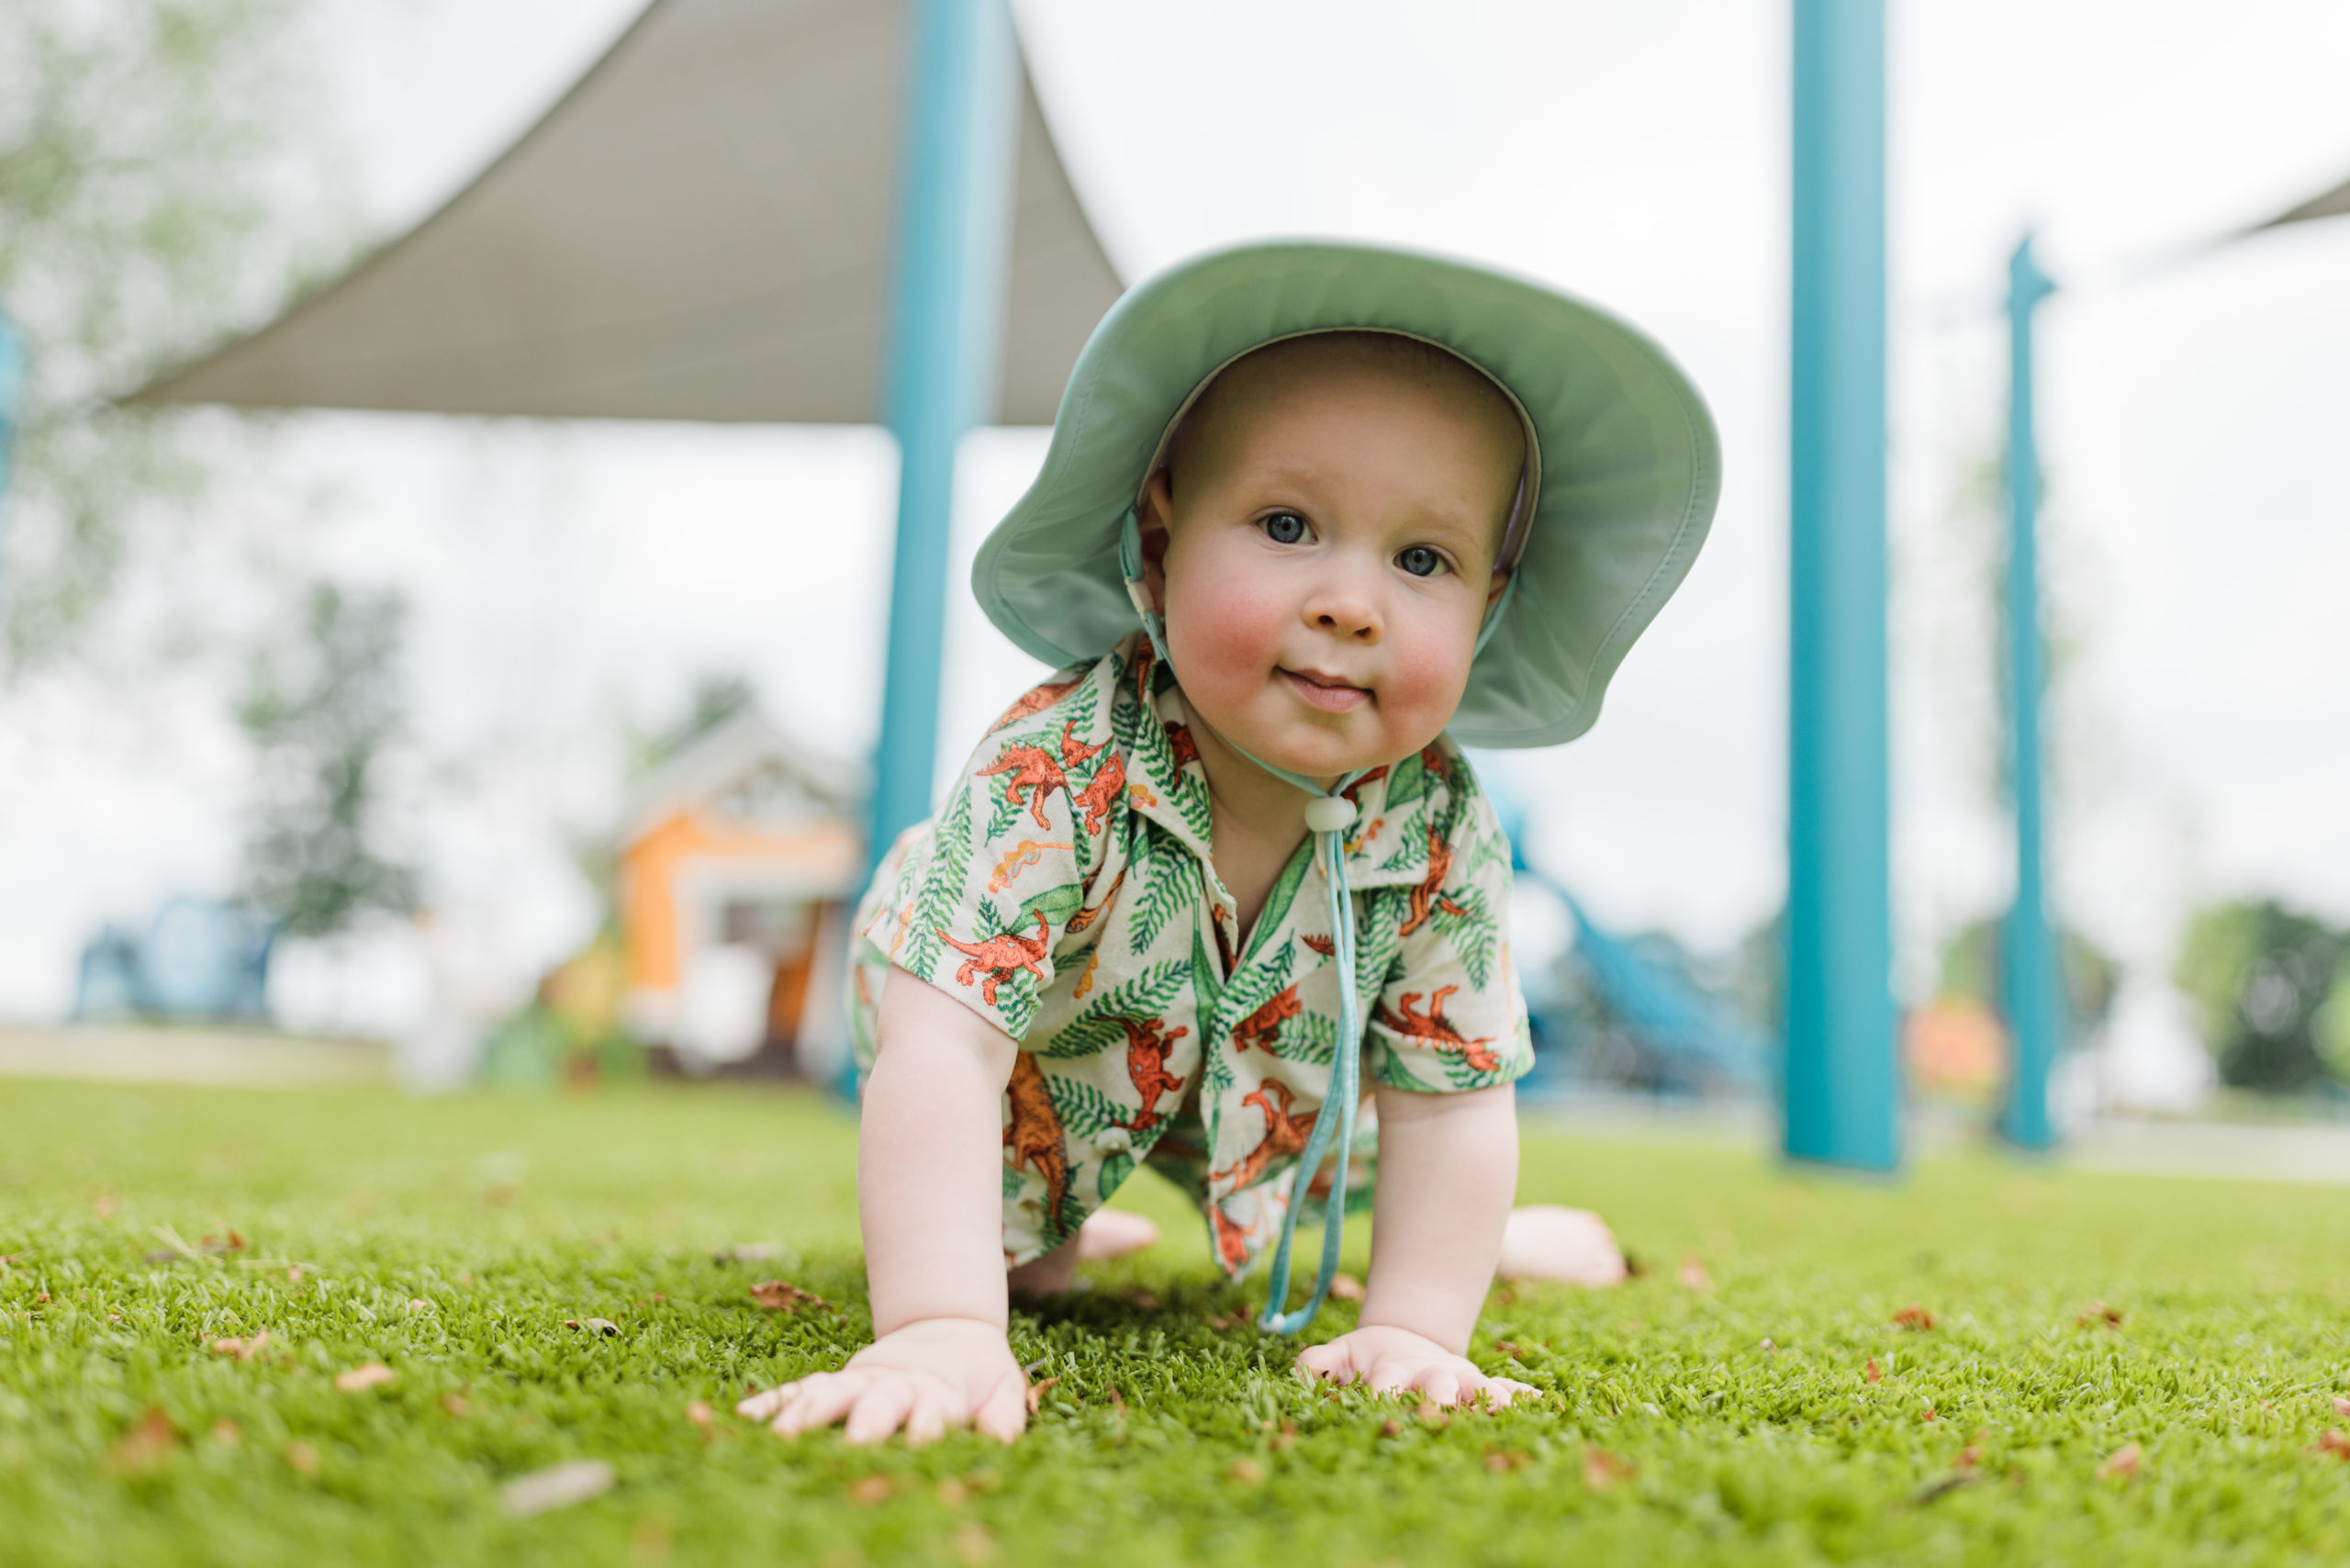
(985,894)
(1450,1015)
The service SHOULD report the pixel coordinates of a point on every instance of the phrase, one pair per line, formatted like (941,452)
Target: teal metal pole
(2029,976)
(12,393)
(1841,1081)
(953,227)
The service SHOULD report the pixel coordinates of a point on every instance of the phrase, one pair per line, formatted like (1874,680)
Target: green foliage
(2263,978)
(451,1239)
(1971,968)
(320,714)
(148,150)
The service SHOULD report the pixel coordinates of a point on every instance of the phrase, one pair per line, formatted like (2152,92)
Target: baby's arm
(929,1158)
(1448,1171)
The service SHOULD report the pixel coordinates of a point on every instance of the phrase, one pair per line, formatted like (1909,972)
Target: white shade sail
(700,230)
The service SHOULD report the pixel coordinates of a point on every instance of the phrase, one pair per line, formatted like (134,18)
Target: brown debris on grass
(1602,1470)
(2097,1315)
(359,1379)
(1914,1318)
(780,1295)
(2121,1463)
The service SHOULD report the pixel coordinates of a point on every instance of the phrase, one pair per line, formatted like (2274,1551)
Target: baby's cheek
(1223,638)
(1423,686)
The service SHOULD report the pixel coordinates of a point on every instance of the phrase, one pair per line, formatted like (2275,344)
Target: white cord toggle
(1329,813)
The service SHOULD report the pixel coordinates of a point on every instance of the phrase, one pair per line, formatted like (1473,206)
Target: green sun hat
(1623,464)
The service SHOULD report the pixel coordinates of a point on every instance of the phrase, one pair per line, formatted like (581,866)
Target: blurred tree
(1971,969)
(320,712)
(155,179)
(2272,988)
(717,697)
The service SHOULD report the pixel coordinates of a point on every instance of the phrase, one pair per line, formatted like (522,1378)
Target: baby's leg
(1108,1233)
(1544,1241)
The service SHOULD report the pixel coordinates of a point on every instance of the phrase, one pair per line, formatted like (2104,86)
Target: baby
(1194,890)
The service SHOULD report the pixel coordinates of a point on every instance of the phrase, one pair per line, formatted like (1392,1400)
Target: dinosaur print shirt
(1065,893)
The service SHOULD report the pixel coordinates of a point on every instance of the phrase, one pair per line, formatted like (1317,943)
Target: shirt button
(1114,1141)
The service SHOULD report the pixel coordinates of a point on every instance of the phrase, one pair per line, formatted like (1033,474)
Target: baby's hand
(926,1377)
(1394,1359)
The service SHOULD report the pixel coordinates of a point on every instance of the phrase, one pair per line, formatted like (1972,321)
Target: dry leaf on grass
(1036,1394)
(1432,1413)
(1139,1298)
(2122,1461)
(2334,1444)
(1602,1470)
(2098,1315)
(556,1486)
(454,1403)
(603,1325)
(1117,1400)
(360,1379)
(871,1489)
(1693,1275)
(1390,1427)
(1872,1372)
(244,1350)
(1245,1471)
(1345,1287)
(302,1458)
(1914,1316)
(701,1414)
(1928,1414)
(779,1296)
(148,1444)
(1501,1461)
(2341,1405)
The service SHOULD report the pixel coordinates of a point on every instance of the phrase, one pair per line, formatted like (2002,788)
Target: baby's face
(1323,550)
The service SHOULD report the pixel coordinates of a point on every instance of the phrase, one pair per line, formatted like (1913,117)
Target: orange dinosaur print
(1434,760)
(998,959)
(1325,946)
(1026,853)
(1085,975)
(1262,1028)
(1284,1134)
(1425,894)
(1179,742)
(1370,831)
(1146,1050)
(1033,1134)
(1085,917)
(1035,699)
(1432,1028)
(1095,799)
(1037,773)
(1231,1240)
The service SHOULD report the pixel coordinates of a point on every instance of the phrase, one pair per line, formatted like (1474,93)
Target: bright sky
(568,579)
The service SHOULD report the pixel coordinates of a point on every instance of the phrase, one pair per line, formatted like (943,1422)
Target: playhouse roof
(699,229)
(746,769)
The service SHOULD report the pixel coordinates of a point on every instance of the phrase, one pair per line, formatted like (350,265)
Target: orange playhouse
(737,860)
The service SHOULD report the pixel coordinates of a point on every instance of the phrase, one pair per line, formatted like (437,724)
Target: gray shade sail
(2335,203)
(700,230)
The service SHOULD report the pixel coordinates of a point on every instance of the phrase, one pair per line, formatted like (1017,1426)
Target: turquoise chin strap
(1328,816)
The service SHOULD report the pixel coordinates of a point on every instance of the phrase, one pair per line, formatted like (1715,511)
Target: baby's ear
(1493,593)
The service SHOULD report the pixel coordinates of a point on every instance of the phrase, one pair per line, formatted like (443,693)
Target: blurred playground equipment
(738,859)
(196,959)
(849,209)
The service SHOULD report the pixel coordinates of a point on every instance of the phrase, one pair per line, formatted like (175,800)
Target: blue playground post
(2030,975)
(953,231)
(1841,1088)
(12,390)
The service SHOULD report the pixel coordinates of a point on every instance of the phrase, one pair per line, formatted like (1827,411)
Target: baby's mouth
(1327,692)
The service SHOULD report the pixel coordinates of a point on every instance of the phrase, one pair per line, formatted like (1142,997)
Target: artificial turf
(1721,1408)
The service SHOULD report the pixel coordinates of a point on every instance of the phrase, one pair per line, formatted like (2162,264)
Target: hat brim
(1631,467)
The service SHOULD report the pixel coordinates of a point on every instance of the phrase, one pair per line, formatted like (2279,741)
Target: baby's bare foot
(1545,1241)
(1114,1233)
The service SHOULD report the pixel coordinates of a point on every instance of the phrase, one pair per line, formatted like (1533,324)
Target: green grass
(451,1240)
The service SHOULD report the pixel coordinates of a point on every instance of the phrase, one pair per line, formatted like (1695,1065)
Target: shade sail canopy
(700,230)
(2335,203)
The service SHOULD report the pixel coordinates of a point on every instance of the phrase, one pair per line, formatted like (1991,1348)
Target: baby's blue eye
(1420,561)
(1284,528)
